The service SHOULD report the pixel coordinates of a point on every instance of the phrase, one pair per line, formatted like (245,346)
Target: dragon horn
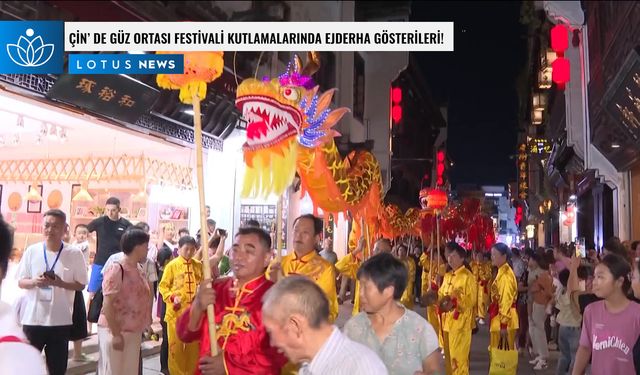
(313,64)
(297,64)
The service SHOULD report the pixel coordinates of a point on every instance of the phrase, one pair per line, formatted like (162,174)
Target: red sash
(494,310)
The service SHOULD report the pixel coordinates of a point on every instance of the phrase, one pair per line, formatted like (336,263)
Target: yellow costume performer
(348,267)
(178,286)
(482,271)
(319,270)
(408,298)
(460,286)
(502,310)
(436,272)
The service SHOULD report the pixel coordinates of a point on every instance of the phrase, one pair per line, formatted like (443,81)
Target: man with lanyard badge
(51,271)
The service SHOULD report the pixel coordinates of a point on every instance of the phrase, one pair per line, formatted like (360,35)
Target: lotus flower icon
(30,52)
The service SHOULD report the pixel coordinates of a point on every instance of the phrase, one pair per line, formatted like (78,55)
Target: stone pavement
(479,357)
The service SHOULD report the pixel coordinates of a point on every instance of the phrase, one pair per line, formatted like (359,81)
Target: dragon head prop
(283,114)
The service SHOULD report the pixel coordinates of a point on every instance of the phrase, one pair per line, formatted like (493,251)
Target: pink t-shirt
(133,302)
(611,337)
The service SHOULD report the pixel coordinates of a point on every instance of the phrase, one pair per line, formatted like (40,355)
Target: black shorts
(79,318)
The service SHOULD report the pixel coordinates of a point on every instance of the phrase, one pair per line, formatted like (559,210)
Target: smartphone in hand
(581,248)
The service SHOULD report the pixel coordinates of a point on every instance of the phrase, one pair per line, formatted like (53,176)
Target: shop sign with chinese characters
(523,172)
(116,96)
(539,146)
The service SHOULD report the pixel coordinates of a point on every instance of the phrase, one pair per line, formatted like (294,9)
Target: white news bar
(258,36)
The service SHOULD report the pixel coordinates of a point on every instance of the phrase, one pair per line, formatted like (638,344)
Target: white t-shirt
(148,268)
(152,254)
(54,307)
(84,248)
(17,358)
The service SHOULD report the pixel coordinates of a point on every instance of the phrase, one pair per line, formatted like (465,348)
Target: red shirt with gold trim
(239,329)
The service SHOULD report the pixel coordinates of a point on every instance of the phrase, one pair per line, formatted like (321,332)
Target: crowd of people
(277,315)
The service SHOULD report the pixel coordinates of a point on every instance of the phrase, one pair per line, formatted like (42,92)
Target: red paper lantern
(559,39)
(396,113)
(440,156)
(518,216)
(437,199)
(561,71)
(396,95)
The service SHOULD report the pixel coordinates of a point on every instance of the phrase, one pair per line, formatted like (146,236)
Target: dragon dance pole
(206,267)
(279,235)
(431,257)
(364,230)
(438,240)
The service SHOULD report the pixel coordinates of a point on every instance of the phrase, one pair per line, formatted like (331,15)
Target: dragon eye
(290,93)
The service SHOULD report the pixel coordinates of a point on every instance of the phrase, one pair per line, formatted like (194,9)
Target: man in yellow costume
(349,264)
(304,260)
(178,287)
(457,308)
(433,272)
(482,271)
(407,298)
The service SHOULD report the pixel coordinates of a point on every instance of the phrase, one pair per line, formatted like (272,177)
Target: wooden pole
(204,234)
(364,231)
(279,235)
(430,258)
(438,240)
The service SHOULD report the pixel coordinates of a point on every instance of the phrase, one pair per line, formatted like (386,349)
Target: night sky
(478,83)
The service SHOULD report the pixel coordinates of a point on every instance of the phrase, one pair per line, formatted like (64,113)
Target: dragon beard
(270,170)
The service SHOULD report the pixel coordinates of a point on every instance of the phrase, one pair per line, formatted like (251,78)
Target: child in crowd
(81,240)
(178,287)
(79,330)
(183,232)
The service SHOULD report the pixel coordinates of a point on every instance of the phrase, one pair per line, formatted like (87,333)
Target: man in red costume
(242,338)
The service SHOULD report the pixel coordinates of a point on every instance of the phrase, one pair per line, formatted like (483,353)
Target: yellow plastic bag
(504,361)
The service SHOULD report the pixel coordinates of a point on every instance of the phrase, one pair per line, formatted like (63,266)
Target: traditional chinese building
(414,138)
(614,113)
(590,121)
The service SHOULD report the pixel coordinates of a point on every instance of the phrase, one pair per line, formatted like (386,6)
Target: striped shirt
(341,356)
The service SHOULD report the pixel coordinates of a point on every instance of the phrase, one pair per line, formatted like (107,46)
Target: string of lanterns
(561,68)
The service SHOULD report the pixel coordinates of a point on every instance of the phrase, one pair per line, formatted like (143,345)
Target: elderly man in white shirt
(16,355)
(296,316)
(51,271)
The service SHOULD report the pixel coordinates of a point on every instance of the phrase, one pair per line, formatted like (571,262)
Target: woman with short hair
(404,341)
(126,311)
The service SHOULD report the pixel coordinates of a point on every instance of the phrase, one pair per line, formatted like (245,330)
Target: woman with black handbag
(126,309)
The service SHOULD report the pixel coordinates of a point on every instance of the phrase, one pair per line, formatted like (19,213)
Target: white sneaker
(481,322)
(541,365)
(535,360)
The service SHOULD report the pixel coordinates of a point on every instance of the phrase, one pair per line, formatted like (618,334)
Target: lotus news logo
(31,47)
(30,52)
